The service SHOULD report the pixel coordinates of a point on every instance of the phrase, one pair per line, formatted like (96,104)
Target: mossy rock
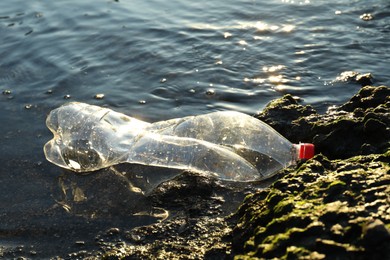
(328,218)
(361,126)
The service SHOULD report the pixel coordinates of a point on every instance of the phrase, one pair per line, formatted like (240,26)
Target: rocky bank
(334,206)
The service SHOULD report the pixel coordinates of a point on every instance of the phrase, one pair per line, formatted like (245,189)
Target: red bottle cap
(306,151)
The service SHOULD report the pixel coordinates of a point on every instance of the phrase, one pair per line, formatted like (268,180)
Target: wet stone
(366,17)
(99,96)
(80,243)
(375,126)
(376,233)
(210,92)
(113,231)
(355,77)
(364,79)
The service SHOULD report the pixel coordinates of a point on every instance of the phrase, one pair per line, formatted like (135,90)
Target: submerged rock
(353,76)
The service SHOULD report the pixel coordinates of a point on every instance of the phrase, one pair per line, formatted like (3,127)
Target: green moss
(309,167)
(272,242)
(281,241)
(274,197)
(283,207)
(384,157)
(284,101)
(245,257)
(250,244)
(336,183)
(334,190)
(387,226)
(294,252)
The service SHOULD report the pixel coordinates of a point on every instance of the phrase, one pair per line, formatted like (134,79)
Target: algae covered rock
(336,208)
(361,126)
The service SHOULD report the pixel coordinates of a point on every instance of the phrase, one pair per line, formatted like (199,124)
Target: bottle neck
(295,153)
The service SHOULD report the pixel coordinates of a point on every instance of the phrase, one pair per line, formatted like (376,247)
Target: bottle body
(228,145)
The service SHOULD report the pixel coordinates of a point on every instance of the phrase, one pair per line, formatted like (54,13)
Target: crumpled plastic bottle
(228,145)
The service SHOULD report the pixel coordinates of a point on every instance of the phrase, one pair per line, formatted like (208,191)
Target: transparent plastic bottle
(228,145)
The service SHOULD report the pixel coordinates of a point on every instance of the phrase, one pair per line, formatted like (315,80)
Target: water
(157,60)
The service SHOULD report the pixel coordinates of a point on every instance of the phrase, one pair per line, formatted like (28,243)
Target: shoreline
(335,205)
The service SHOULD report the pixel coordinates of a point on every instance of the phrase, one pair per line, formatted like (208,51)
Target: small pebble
(80,243)
(113,231)
(99,96)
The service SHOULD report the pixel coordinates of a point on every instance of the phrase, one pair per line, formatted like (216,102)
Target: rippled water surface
(157,60)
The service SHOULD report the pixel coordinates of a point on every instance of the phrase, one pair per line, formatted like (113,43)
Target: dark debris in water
(29,32)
